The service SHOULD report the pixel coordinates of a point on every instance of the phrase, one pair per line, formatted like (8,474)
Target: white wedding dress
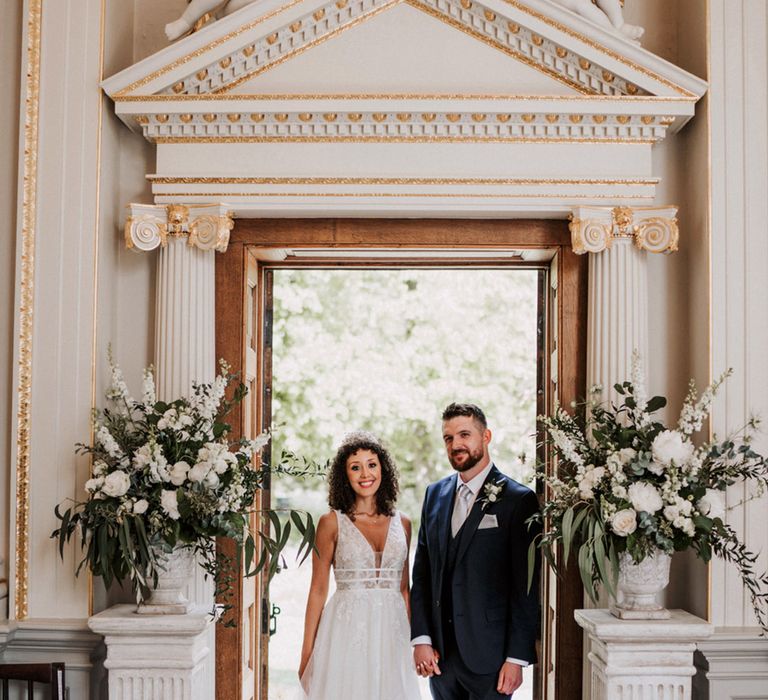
(362,649)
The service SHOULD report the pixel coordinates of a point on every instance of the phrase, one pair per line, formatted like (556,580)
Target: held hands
(426,660)
(510,678)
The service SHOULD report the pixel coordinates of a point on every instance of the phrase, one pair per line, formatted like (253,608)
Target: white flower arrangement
(164,474)
(627,483)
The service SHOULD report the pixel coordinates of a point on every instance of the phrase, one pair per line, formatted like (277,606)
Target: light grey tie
(460,508)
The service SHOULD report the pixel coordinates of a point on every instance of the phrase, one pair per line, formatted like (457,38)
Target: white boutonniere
(492,492)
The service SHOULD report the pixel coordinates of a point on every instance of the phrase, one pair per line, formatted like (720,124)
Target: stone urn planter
(175,573)
(639,586)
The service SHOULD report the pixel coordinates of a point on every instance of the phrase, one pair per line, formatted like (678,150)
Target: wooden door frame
(424,234)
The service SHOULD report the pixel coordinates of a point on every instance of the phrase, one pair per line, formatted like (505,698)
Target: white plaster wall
(679,332)
(739,315)
(88,290)
(10,76)
(126,280)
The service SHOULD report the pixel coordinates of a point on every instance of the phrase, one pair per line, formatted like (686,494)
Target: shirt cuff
(423,639)
(519,662)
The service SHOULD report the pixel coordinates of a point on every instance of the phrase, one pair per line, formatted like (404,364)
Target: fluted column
(619,240)
(185,349)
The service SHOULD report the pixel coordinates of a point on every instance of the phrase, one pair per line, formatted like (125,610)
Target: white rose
(624,522)
(169,501)
(627,454)
(93,485)
(645,497)
(712,504)
(211,479)
(140,506)
(199,472)
(670,446)
(116,484)
(178,473)
(671,513)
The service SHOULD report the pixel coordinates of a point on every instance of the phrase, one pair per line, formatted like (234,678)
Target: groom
(473,622)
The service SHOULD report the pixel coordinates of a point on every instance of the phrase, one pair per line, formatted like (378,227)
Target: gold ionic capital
(652,229)
(206,226)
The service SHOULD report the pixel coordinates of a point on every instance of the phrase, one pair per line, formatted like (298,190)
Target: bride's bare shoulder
(406,523)
(328,523)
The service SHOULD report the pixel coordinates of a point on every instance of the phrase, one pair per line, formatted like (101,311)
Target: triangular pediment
(502,70)
(400,51)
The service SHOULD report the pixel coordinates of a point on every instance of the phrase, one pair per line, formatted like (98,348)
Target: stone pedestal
(649,659)
(733,665)
(154,657)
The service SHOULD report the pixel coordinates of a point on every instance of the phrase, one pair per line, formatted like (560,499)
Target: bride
(358,645)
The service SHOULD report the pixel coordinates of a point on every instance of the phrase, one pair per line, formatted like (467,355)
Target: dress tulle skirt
(362,650)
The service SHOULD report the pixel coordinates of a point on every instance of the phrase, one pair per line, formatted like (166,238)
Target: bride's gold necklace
(373,516)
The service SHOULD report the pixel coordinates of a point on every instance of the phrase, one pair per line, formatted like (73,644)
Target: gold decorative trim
(241,97)
(479,195)
(600,47)
(26,306)
(96,227)
(199,52)
(392,139)
(165,180)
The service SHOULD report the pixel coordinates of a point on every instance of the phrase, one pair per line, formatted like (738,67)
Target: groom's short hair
(453,410)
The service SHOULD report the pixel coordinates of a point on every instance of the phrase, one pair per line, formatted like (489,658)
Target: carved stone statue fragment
(606,13)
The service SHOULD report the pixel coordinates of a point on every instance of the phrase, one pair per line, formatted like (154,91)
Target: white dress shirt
(474,485)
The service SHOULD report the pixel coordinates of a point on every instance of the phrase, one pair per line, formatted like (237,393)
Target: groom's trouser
(456,681)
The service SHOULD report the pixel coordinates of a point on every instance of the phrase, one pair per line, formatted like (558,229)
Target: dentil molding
(205,226)
(653,229)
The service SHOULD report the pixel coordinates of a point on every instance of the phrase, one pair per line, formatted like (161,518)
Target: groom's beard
(471,460)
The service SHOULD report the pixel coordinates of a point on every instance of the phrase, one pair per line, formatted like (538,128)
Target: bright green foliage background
(386,351)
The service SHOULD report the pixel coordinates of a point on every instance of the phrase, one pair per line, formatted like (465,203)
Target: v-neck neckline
(367,541)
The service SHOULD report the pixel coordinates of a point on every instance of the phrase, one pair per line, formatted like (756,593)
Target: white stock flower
(105,439)
(175,420)
(624,522)
(93,485)
(140,506)
(645,497)
(178,473)
(116,484)
(169,502)
(148,391)
(100,467)
(712,504)
(669,446)
(118,389)
(589,481)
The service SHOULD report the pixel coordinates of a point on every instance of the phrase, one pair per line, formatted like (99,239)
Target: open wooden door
(240,649)
(561,663)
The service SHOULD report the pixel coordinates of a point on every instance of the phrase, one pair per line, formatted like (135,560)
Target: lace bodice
(356,566)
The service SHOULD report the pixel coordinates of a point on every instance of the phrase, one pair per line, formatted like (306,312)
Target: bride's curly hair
(340,494)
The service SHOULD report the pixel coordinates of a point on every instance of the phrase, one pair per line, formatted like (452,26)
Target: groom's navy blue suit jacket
(494,616)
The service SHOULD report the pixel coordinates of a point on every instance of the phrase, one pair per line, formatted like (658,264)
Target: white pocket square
(487,522)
